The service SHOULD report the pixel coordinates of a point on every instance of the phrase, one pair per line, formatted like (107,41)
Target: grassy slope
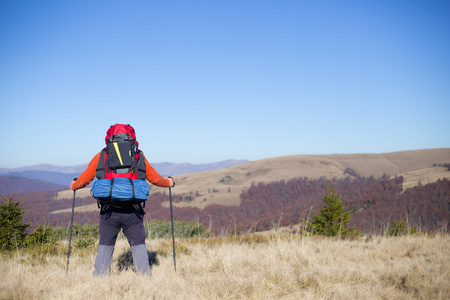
(249,267)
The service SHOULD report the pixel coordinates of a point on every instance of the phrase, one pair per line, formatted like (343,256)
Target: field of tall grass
(271,266)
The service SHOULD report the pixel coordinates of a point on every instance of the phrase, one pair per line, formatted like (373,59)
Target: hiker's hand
(172,182)
(71,186)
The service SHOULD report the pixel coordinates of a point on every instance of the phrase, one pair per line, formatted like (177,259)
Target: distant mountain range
(10,184)
(61,176)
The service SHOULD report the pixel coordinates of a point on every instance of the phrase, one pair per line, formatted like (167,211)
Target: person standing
(121,159)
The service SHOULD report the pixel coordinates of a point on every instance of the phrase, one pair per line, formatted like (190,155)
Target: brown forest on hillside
(375,203)
(39,206)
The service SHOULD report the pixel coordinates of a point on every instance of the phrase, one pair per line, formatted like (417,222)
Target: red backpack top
(124,131)
(121,158)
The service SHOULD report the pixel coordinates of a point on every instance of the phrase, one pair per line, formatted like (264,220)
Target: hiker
(121,160)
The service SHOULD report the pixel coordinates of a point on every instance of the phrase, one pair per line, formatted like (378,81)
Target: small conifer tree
(12,228)
(43,234)
(399,228)
(331,220)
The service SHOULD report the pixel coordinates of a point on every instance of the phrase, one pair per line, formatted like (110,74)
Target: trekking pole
(70,234)
(173,238)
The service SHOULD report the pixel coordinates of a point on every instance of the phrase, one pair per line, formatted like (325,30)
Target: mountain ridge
(10,184)
(176,167)
(63,175)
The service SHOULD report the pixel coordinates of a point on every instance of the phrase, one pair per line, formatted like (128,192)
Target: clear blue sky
(204,81)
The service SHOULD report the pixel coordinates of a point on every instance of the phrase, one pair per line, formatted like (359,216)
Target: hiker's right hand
(172,182)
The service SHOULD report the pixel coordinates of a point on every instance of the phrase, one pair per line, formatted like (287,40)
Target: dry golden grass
(277,266)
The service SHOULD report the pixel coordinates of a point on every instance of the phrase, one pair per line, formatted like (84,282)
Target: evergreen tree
(43,234)
(331,219)
(12,228)
(399,228)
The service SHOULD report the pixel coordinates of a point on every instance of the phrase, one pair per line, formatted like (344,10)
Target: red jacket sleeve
(154,177)
(88,175)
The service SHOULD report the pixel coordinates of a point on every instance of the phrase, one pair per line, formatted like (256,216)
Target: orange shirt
(89,174)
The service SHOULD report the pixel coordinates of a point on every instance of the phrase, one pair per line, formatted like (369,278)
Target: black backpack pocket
(120,155)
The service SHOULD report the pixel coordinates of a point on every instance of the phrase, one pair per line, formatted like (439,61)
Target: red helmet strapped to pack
(121,158)
(118,130)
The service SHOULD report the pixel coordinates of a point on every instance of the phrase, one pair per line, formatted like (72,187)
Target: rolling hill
(224,186)
(415,166)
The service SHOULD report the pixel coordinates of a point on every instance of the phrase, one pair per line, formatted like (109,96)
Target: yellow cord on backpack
(118,152)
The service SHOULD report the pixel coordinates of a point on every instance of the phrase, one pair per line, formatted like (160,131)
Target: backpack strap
(132,186)
(140,166)
(111,188)
(139,209)
(100,172)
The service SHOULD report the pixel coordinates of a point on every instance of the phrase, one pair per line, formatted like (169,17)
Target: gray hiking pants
(103,260)
(130,222)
